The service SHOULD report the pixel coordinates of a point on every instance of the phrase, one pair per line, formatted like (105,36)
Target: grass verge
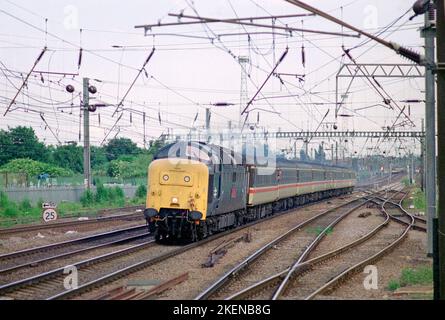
(12,213)
(409,277)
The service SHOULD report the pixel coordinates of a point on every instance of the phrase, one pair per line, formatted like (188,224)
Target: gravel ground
(283,255)
(349,229)
(410,254)
(30,239)
(50,287)
(190,261)
(62,262)
(303,285)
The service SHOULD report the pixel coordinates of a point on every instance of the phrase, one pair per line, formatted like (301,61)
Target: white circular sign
(49,215)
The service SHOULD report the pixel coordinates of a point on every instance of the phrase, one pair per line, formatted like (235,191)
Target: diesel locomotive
(196,189)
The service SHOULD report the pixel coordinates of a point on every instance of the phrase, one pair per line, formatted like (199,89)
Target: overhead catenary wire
(26,78)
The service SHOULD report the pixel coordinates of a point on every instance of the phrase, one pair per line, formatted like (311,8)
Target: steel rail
(279,291)
(253,257)
(141,265)
(407,214)
(132,268)
(72,253)
(47,247)
(351,270)
(16,285)
(269,281)
(52,225)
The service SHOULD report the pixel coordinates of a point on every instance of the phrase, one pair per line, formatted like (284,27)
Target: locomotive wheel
(202,230)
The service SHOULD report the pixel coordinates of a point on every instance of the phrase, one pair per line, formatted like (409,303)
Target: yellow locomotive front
(176,197)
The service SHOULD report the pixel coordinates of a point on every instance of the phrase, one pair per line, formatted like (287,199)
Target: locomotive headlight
(165,177)
(186,179)
(174,200)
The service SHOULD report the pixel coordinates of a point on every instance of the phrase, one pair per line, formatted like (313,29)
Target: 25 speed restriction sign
(49,214)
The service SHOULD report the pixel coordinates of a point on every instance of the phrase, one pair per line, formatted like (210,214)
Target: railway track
(307,279)
(100,270)
(64,224)
(17,261)
(296,244)
(365,254)
(400,215)
(51,283)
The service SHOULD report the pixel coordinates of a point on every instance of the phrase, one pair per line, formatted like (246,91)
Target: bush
(11,211)
(119,192)
(141,191)
(116,196)
(34,168)
(102,194)
(419,200)
(129,167)
(422,276)
(3,200)
(25,205)
(87,198)
(416,276)
(393,285)
(405,182)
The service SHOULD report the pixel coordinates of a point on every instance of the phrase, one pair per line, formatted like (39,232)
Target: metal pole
(441,140)
(430,126)
(336,152)
(86,135)
(145,132)
(207,118)
(422,160)
(390,171)
(436,268)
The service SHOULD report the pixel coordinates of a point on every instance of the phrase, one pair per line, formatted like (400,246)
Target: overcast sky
(188,74)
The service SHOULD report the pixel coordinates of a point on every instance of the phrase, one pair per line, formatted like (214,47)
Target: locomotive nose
(177,185)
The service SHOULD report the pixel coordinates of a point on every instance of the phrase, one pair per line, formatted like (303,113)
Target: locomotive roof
(195,150)
(215,154)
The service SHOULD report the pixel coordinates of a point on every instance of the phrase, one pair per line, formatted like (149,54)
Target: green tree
(21,142)
(141,191)
(98,157)
(155,145)
(69,156)
(119,169)
(34,168)
(120,146)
